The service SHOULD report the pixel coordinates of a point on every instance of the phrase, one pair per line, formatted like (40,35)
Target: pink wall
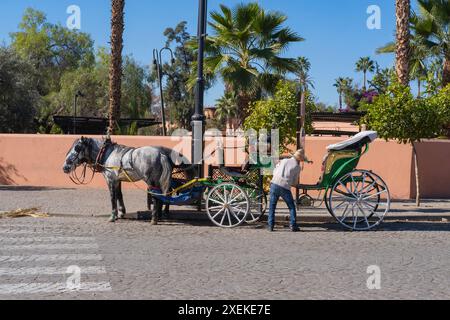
(36,160)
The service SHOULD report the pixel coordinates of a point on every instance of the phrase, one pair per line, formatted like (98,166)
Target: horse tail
(165,180)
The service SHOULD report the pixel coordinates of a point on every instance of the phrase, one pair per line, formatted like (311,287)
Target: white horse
(117,163)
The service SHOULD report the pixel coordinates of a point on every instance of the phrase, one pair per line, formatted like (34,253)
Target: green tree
(18,95)
(396,115)
(342,85)
(227,109)
(51,48)
(178,96)
(364,65)
(302,73)
(136,90)
(433,25)
(279,112)
(245,50)
(382,79)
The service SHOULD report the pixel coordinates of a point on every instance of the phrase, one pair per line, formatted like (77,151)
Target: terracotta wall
(36,160)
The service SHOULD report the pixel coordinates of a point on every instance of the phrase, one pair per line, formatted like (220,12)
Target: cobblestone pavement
(133,260)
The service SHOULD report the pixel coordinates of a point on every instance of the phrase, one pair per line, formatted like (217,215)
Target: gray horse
(117,163)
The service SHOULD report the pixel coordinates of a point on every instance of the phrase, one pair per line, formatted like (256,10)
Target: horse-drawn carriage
(358,199)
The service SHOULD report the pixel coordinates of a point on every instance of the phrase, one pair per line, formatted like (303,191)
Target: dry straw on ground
(21,213)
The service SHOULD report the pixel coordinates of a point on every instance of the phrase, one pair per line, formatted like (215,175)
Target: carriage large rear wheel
(227,205)
(359,200)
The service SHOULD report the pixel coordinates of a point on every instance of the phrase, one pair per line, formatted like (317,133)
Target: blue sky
(335,31)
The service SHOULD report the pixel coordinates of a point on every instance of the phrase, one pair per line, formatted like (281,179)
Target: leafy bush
(279,112)
(399,116)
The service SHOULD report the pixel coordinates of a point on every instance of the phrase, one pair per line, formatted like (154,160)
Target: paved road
(133,260)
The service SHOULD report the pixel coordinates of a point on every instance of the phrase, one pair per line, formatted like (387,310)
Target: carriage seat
(355,142)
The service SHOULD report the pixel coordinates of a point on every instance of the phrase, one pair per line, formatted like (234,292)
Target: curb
(284,218)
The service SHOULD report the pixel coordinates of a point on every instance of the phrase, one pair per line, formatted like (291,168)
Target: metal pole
(157,62)
(198,118)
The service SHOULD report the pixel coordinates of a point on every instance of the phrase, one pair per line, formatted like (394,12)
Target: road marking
(30,232)
(80,246)
(33,288)
(48,271)
(46,239)
(52,257)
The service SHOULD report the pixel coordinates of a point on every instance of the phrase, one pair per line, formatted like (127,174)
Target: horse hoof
(121,215)
(153,223)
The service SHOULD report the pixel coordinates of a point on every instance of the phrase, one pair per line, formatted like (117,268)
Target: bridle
(80,180)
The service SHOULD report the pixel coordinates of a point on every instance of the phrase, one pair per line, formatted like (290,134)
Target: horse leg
(157,210)
(149,201)
(167,211)
(122,209)
(113,192)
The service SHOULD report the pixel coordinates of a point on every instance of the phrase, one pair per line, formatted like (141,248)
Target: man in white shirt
(285,176)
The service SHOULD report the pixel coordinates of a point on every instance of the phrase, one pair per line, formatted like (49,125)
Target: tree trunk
(340,100)
(243,101)
(446,73)
(416,165)
(365,82)
(419,84)
(115,69)
(403,12)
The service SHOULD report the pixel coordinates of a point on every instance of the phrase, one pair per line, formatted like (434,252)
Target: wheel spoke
(218,213)
(348,189)
(223,217)
(376,194)
(345,213)
(229,217)
(216,201)
(365,217)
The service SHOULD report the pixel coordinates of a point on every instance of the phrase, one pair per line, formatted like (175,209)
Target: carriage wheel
(359,200)
(258,205)
(227,205)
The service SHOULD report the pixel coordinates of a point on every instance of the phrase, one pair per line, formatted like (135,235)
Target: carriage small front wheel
(359,200)
(227,205)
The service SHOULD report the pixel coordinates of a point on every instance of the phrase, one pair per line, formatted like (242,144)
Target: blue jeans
(275,193)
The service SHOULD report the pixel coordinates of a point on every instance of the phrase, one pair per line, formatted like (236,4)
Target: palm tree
(419,54)
(227,109)
(364,65)
(433,25)
(403,12)
(342,85)
(302,72)
(115,70)
(245,50)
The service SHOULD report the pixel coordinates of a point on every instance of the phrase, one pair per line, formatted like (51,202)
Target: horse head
(79,153)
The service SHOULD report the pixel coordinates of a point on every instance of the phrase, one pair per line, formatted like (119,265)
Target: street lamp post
(198,118)
(157,63)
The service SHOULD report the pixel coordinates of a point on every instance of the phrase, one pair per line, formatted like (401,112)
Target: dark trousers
(275,193)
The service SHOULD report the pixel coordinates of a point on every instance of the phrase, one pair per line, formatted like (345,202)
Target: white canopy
(372,135)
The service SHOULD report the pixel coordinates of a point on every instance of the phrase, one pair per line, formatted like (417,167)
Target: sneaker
(295,229)
(270,228)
